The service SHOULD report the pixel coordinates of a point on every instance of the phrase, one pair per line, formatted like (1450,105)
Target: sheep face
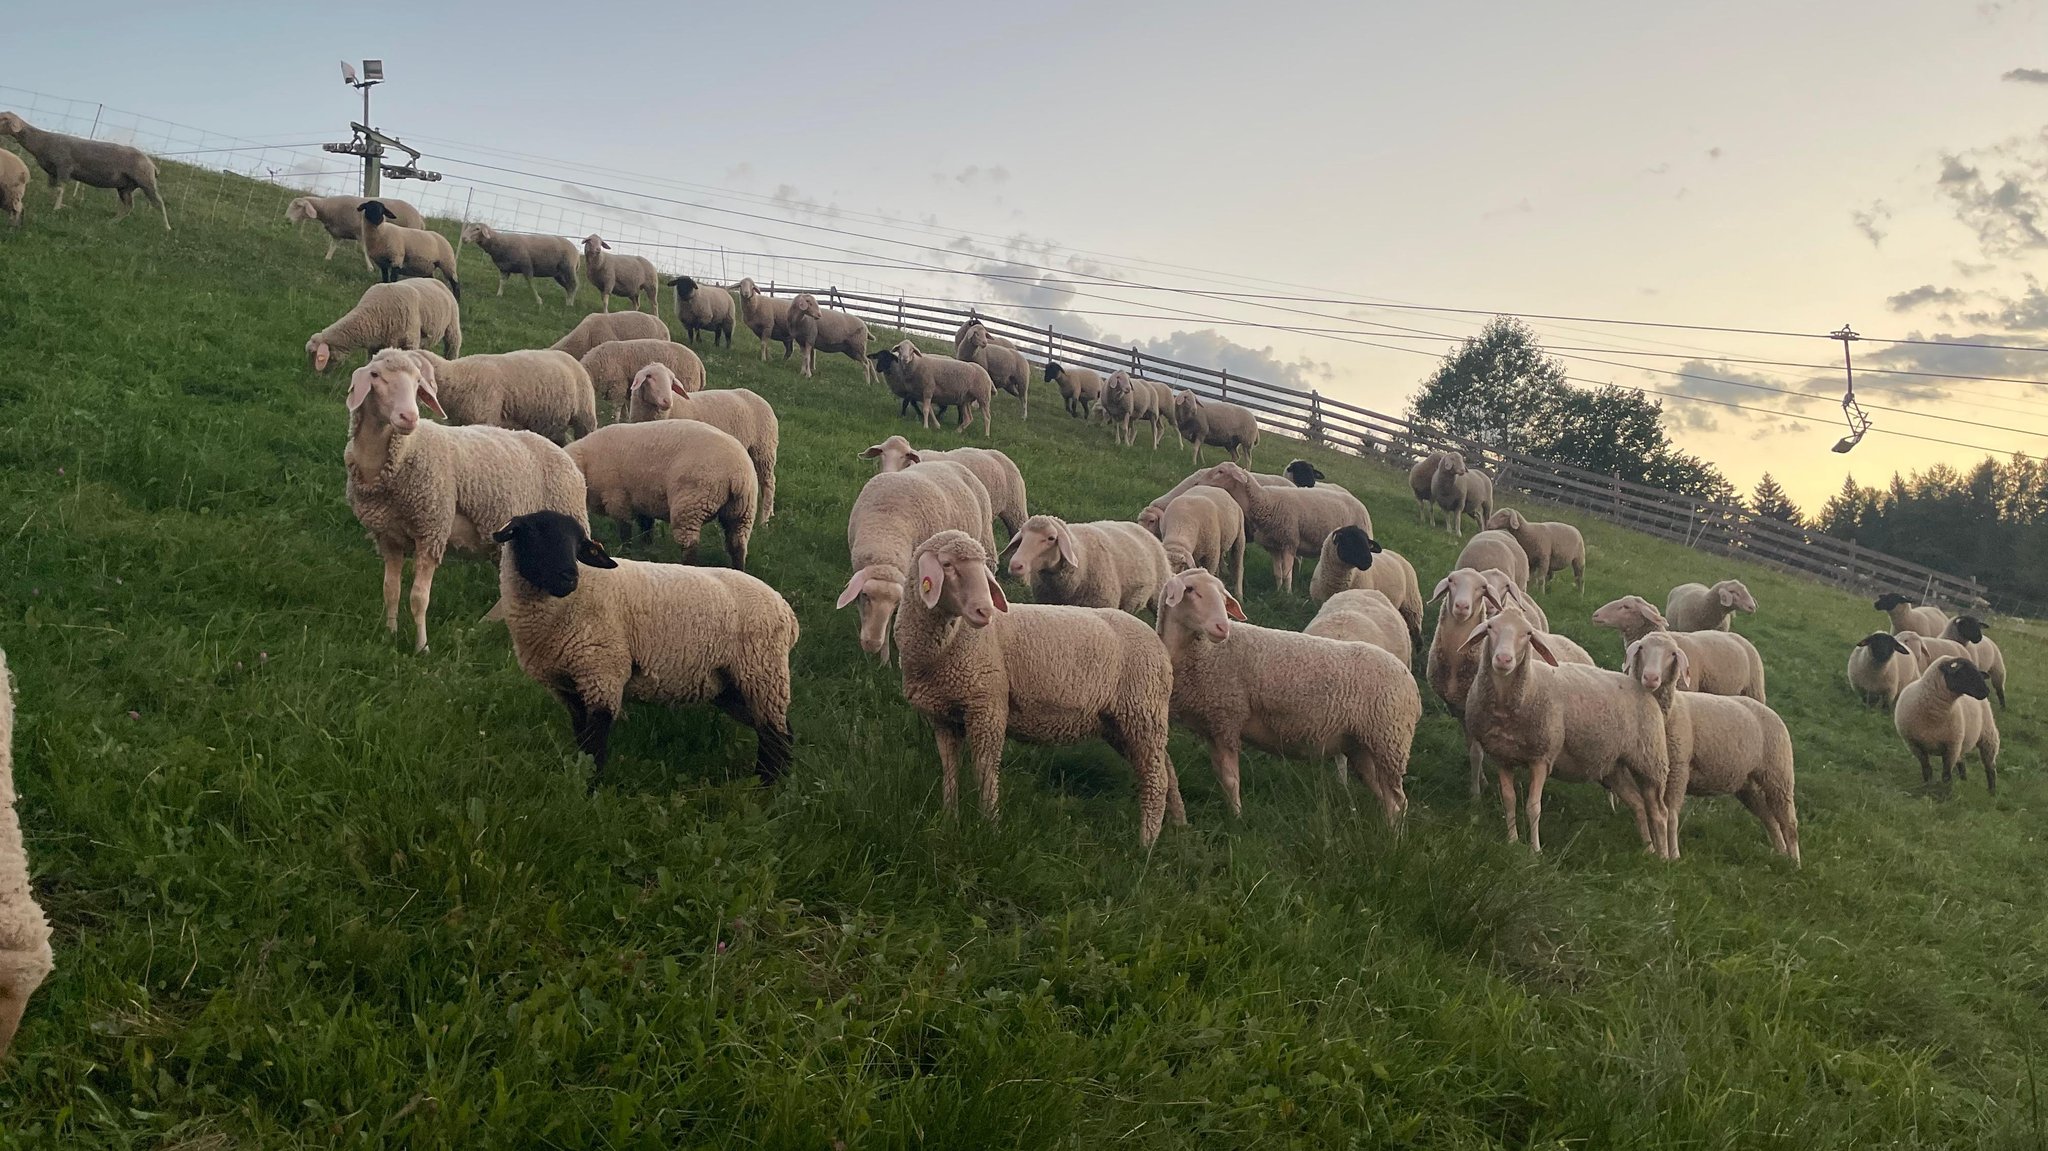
(1150,517)
(1509,640)
(1198,603)
(1734,596)
(299,210)
(477,233)
(395,385)
(685,288)
(1354,547)
(953,579)
(375,213)
(1303,473)
(547,548)
(1185,403)
(1963,677)
(1452,463)
(886,361)
(656,386)
(1053,372)
(1655,660)
(1970,629)
(746,289)
(1043,544)
(1462,592)
(1507,519)
(879,591)
(11,124)
(1630,613)
(594,246)
(1118,385)
(893,454)
(1883,646)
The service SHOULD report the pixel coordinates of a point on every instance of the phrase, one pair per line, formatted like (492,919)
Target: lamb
(1696,607)
(1285,692)
(1126,400)
(765,316)
(929,380)
(1289,521)
(94,163)
(613,364)
(1201,528)
(1107,563)
(419,486)
(1877,677)
(543,392)
(1036,672)
(341,217)
(657,394)
(1351,558)
(1982,649)
(1550,546)
(627,277)
(1422,482)
(1528,710)
(396,251)
(1493,548)
(14,194)
(1150,516)
(1365,615)
(995,470)
(1946,711)
(1079,387)
(1719,663)
(1230,427)
(406,314)
(516,254)
(604,328)
(700,308)
(1717,745)
(1007,368)
(1908,616)
(682,471)
(895,512)
(1457,489)
(595,630)
(25,955)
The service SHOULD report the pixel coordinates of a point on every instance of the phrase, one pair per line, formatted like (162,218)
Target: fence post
(1315,416)
(1615,487)
(1048,342)
(466,202)
(899,315)
(96,113)
(1223,375)
(1136,370)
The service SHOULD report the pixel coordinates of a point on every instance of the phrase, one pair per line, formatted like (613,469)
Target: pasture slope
(311,890)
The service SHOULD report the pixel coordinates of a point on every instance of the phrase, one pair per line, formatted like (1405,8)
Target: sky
(1771,166)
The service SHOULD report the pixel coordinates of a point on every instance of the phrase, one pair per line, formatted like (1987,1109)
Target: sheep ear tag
(931,578)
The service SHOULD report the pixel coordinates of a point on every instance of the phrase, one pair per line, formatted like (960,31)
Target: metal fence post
(1223,376)
(1136,370)
(899,314)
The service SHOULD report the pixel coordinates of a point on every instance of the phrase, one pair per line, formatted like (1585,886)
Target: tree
(1493,387)
(1845,511)
(1770,501)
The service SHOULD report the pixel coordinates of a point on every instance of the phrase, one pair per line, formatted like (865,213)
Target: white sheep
(1719,662)
(1907,615)
(544,392)
(1983,651)
(1927,649)
(894,512)
(1364,615)
(1152,512)
(342,219)
(1947,712)
(1875,674)
(703,308)
(936,381)
(1495,549)
(1352,558)
(417,486)
(657,394)
(1127,400)
(596,631)
(1285,692)
(630,278)
(94,163)
(1107,563)
(1289,521)
(613,365)
(1422,482)
(1079,387)
(1697,607)
(25,955)
(1226,425)
(1458,489)
(765,316)
(1006,367)
(1035,672)
(405,314)
(396,251)
(1468,596)
(1550,546)
(996,471)
(1204,528)
(682,471)
(519,254)
(14,187)
(804,316)
(605,327)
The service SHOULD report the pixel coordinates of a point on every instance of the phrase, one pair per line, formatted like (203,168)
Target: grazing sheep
(700,308)
(1007,368)
(1550,546)
(396,251)
(1351,558)
(995,470)
(1079,387)
(1153,511)
(1285,692)
(1719,662)
(1697,607)
(1202,528)
(14,188)
(1496,549)
(658,395)
(1302,474)
(604,328)
(546,393)
(1108,563)
(1982,650)
(1908,616)
(1036,672)
(1365,615)
(1289,521)
(406,314)
(342,218)
(1126,400)
(613,364)
(1226,425)
(1528,710)
(1945,711)
(418,486)
(596,631)
(25,956)
(1877,677)
(1457,489)
(894,512)
(932,380)
(94,163)
(628,277)
(1422,482)
(682,471)
(765,316)
(1717,745)
(517,254)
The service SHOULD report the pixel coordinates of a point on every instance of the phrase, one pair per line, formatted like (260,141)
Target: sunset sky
(1753,165)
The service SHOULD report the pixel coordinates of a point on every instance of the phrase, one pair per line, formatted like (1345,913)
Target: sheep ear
(358,388)
(1442,586)
(871,452)
(1009,550)
(853,588)
(1681,669)
(1171,592)
(912,457)
(1478,633)
(1487,595)
(995,592)
(428,399)
(504,534)
(1232,608)
(1066,546)
(590,553)
(676,385)
(1536,643)
(1634,657)
(605,246)
(931,578)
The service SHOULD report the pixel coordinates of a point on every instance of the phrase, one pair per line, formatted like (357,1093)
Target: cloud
(1872,221)
(2027,76)
(975,176)
(1968,269)
(1945,355)
(1714,153)
(1713,380)
(789,198)
(2027,312)
(1211,349)
(2008,209)
(1923,295)
(1658,168)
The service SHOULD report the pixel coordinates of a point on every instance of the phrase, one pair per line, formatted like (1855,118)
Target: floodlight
(348,72)
(373,70)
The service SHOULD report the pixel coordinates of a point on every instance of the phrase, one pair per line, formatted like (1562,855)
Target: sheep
(996,471)
(418,486)
(1982,649)
(1551,546)
(929,380)
(1946,711)
(1501,587)
(1696,607)
(765,316)
(1365,615)
(1719,663)
(662,633)
(1126,400)
(1493,548)
(1007,368)
(657,394)
(606,327)
(1302,474)
(1285,692)
(1457,489)
(396,251)
(1468,596)
(1036,672)
(1908,616)
(627,277)
(1202,528)
(1527,709)
(94,163)
(14,187)
(816,329)
(970,324)
(895,512)
(406,314)
(341,217)
(613,364)
(1152,512)
(1927,649)
(1079,387)
(1875,675)
(682,471)
(700,308)
(543,392)
(1226,425)
(1717,745)
(1351,558)
(25,955)
(1422,482)
(1107,563)
(516,254)
(1289,521)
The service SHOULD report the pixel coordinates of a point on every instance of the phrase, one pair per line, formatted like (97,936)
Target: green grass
(311,890)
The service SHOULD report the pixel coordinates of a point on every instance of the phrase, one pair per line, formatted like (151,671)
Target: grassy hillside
(312,890)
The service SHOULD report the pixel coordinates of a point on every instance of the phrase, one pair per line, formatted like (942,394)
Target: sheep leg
(501,285)
(1477,757)
(738,527)
(1283,569)
(1360,760)
(13,1002)
(949,739)
(1507,799)
(1646,808)
(394,576)
(1579,575)
(59,205)
(1753,798)
(423,567)
(1533,806)
(1223,753)
(764,476)
(127,195)
(1990,762)
(985,741)
(331,245)
(593,728)
(686,533)
(927,405)
(1175,809)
